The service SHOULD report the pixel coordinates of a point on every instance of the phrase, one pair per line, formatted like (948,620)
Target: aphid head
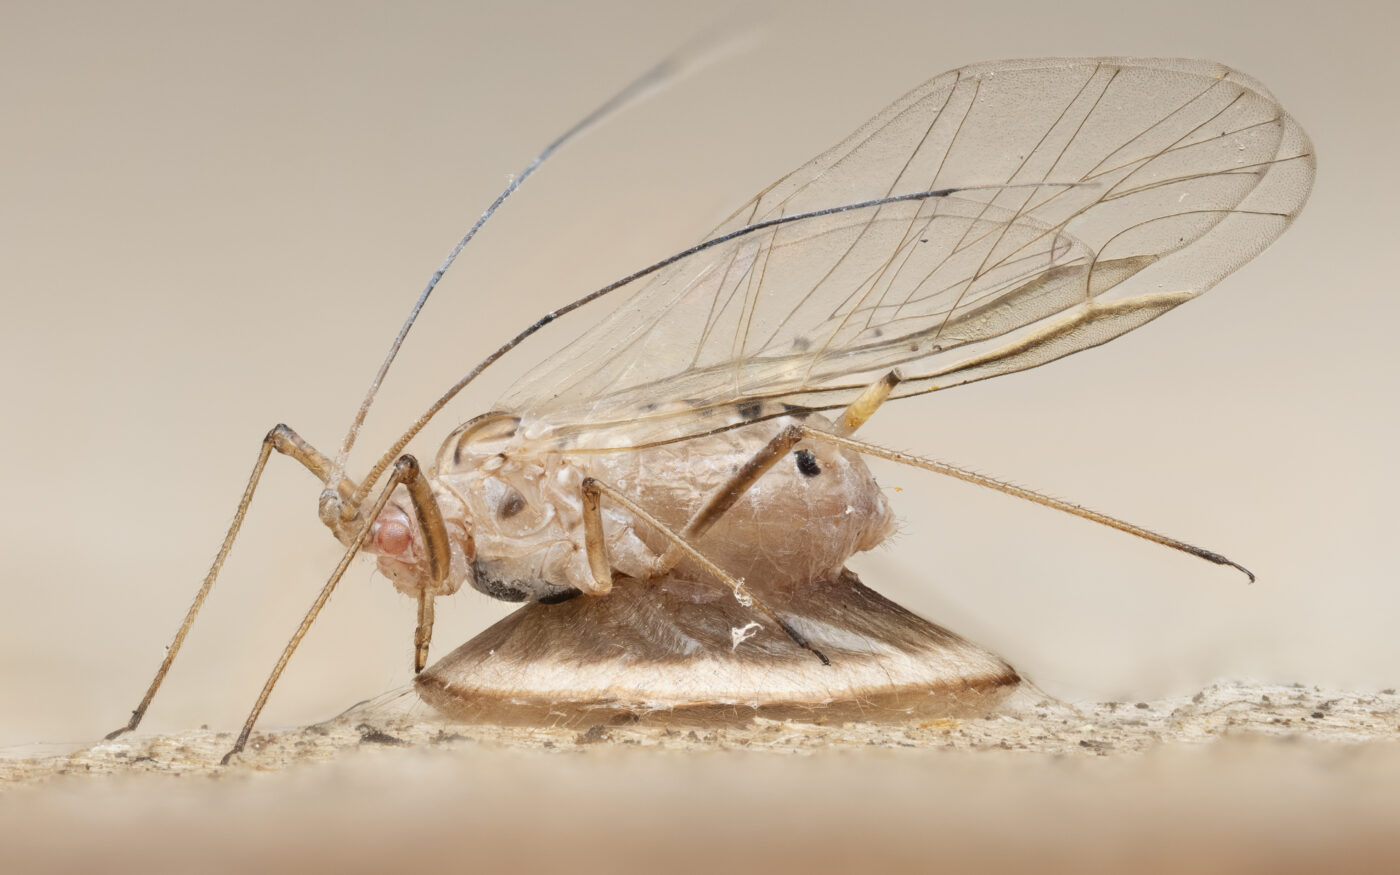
(396,540)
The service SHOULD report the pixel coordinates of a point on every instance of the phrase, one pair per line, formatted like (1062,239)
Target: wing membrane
(1084,198)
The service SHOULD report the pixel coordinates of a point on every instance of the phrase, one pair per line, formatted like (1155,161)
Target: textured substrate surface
(1237,778)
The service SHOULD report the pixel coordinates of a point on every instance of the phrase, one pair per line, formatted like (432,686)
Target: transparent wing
(1087,197)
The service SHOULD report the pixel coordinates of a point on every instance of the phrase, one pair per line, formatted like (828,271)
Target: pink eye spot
(392,537)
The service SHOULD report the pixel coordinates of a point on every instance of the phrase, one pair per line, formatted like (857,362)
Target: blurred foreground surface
(1234,779)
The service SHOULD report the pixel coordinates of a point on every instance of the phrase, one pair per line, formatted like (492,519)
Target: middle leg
(596,545)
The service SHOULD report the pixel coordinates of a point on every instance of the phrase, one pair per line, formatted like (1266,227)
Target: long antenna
(690,57)
(393,452)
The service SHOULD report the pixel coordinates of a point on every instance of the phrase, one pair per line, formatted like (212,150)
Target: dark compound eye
(807,463)
(511,505)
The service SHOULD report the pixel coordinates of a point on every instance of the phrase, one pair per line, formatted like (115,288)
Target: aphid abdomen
(797,523)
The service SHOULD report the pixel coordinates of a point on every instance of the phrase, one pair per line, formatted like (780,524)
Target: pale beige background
(212,218)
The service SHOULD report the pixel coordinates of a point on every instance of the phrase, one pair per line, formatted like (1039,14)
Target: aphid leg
(723,498)
(287,442)
(406,470)
(594,541)
(1020,492)
(439,555)
(596,545)
(864,407)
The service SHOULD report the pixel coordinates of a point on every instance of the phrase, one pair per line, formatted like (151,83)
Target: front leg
(281,439)
(430,523)
(406,471)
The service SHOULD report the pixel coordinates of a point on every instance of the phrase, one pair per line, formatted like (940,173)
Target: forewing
(1082,199)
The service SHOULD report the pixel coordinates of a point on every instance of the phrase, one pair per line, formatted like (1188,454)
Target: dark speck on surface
(370,735)
(595,734)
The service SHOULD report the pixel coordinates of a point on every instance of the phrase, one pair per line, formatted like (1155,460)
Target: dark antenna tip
(1221,560)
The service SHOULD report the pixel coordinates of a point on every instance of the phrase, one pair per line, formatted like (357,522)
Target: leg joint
(282,438)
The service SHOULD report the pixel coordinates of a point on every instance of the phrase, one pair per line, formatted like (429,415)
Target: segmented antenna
(388,458)
(686,60)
